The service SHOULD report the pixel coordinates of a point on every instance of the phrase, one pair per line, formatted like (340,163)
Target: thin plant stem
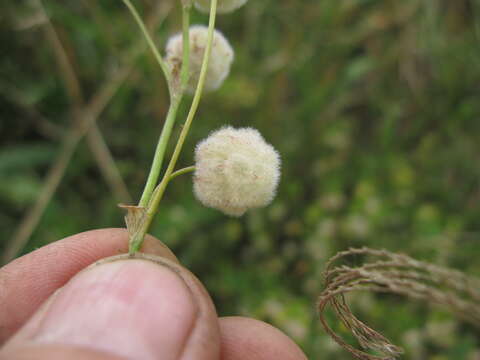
(137,239)
(43,125)
(57,171)
(106,163)
(185,73)
(160,152)
(70,141)
(176,99)
(183,171)
(95,139)
(150,42)
(30,221)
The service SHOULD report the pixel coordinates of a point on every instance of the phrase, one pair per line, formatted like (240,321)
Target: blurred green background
(373,105)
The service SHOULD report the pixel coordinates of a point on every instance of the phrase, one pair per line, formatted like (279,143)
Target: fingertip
(246,338)
(32,278)
(119,307)
(153,246)
(56,352)
(144,307)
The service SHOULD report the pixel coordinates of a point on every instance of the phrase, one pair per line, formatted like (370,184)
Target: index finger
(28,281)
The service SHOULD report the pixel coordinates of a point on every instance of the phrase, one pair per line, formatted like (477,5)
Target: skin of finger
(237,343)
(29,280)
(204,340)
(246,338)
(56,352)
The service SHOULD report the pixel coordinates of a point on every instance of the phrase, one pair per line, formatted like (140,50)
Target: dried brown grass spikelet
(397,274)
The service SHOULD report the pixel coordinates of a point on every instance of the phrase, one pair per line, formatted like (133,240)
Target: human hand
(127,309)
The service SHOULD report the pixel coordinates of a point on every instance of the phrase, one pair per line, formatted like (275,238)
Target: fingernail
(132,308)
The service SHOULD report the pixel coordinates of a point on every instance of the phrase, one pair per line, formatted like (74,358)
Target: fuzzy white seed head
(220,62)
(235,170)
(223,6)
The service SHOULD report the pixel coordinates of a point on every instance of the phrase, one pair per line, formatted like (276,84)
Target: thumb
(134,309)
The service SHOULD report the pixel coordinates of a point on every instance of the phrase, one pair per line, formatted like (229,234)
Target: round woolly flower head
(220,59)
(223,6)
(235,170)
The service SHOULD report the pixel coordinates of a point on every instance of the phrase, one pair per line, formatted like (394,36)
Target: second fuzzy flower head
(235,170)
(221,57)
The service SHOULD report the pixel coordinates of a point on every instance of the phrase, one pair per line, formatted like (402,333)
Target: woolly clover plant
(235,169)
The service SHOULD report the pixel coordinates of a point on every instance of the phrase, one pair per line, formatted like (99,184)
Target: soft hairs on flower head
(221,57)
(223,6)
(235,170)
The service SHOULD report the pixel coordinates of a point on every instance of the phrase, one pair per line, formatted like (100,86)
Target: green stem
(182,172)
(176,99)
(191,114)
(150,42)
(185,73)
(160,152)
(137,240)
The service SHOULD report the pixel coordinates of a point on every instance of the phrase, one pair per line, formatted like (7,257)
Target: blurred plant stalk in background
(85,116)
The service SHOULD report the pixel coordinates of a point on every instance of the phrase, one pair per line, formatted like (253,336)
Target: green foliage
(373,105)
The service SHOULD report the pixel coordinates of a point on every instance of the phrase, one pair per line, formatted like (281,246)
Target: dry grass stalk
(396,274)
(95,139)
(74,135)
